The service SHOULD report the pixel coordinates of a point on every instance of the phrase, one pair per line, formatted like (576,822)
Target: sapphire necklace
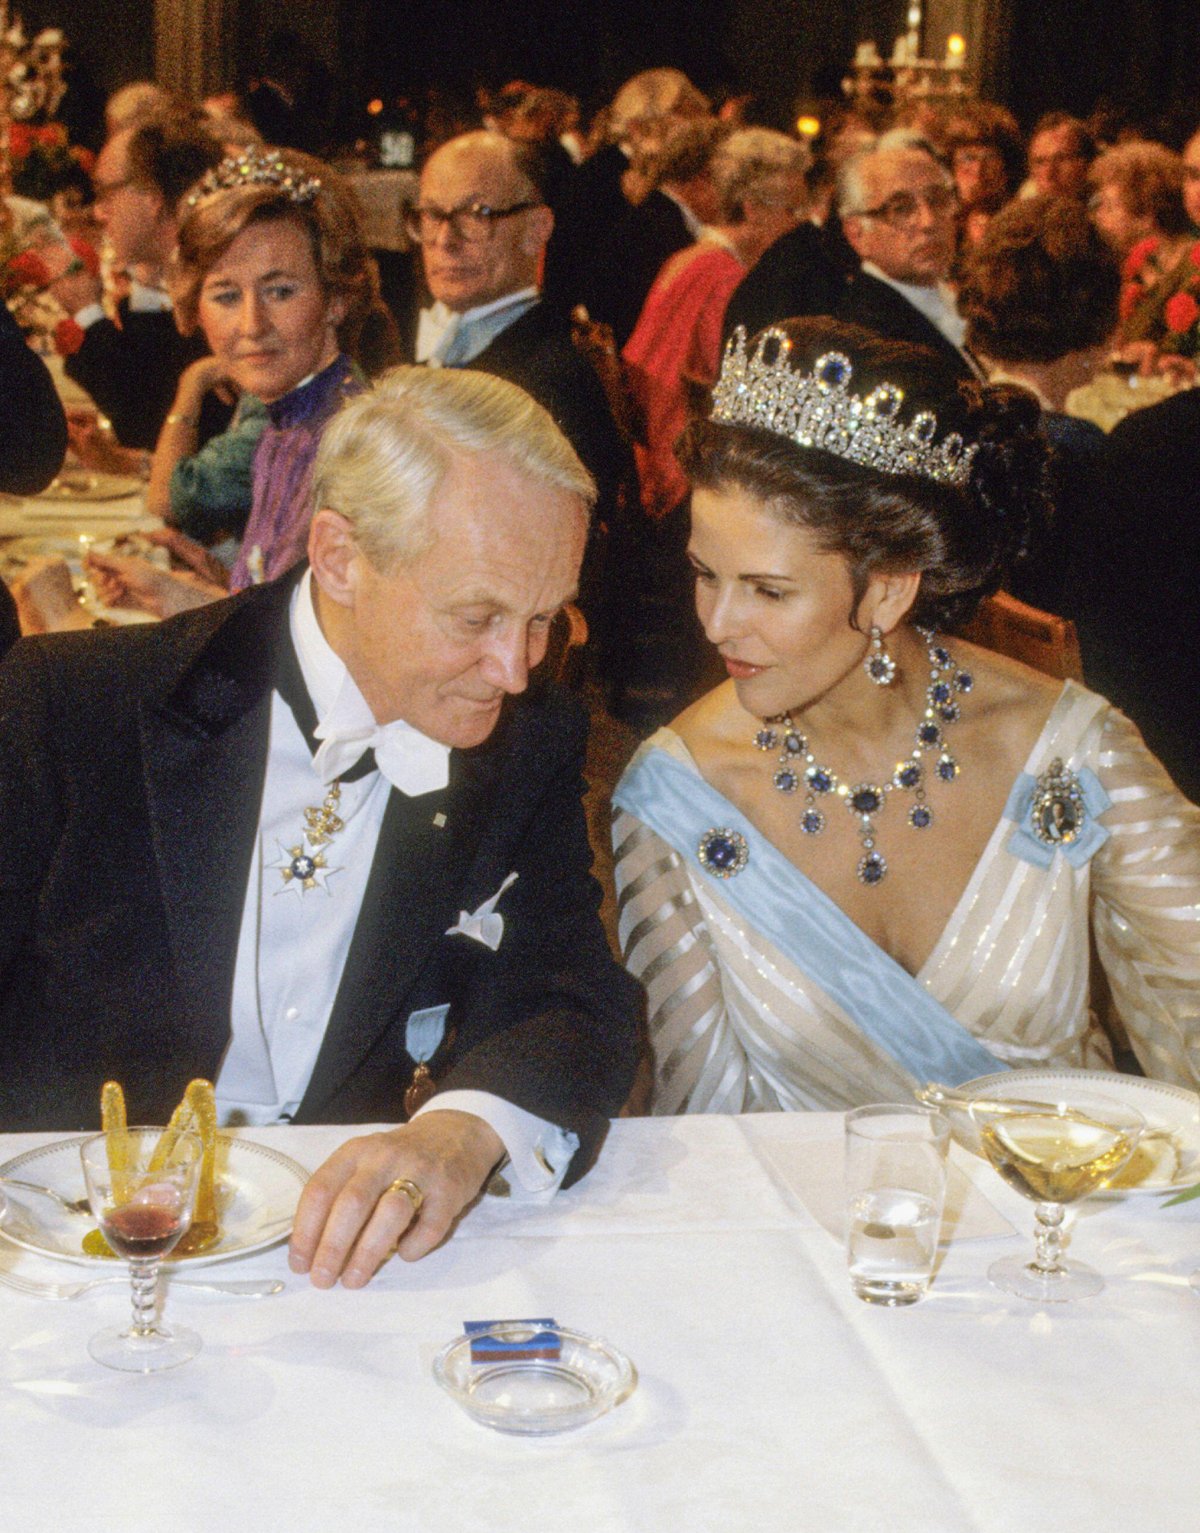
(799,768)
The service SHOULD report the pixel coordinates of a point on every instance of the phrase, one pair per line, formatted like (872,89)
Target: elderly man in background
(482,223)
(344,857)
(898,205)
(131,365)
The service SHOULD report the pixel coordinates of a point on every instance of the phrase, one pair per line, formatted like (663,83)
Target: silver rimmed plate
(257,1191)
(82,486)
(1168,1157)
(547,1389)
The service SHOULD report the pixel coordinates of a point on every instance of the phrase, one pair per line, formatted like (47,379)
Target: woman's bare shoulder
(1009,702)
(713,725)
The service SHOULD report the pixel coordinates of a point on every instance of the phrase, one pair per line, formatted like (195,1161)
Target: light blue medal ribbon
(771,895)
(424,1031)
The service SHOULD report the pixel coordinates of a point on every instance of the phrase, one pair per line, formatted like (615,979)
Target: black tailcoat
(131,771)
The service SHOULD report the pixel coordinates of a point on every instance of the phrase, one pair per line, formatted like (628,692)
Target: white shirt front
(438,325)
(936,303)
(293,943)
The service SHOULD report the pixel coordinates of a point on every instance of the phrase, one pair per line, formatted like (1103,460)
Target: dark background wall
(1142,54)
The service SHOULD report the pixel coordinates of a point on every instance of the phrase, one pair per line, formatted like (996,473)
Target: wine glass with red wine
(141,1184)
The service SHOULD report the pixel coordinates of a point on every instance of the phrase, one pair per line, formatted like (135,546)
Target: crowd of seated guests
(991,276)
(941,227)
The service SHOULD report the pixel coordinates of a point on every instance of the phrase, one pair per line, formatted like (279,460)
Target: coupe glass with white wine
(1055,1153)
(141,1184)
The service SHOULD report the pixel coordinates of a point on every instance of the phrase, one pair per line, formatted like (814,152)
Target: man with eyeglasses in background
(1061,150)
(482,223)
(130,365)
(897,204)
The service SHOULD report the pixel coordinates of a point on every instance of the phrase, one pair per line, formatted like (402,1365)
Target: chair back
(595,342)
(1039,639)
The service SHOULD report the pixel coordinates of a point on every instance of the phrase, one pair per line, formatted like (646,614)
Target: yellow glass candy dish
(196,1114)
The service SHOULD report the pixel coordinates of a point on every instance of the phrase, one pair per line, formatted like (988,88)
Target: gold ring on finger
(407,1189)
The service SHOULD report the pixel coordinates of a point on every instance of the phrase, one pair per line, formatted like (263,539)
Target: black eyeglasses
(902,210)
(474,223)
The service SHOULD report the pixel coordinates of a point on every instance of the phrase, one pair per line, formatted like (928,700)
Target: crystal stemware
(1055,1153)
(141,1184)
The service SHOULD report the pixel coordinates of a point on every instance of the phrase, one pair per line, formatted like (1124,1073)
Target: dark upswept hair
(962,540)
(1042,282)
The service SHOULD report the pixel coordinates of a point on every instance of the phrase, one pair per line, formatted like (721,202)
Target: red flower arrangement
(1135,261)
(1130,293)
(1181,311)
(68,337)
(24,138)
(26,279)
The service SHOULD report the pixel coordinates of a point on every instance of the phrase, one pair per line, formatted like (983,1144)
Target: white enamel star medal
(305,866)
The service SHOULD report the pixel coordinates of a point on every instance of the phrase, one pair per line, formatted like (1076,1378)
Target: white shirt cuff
(88,315)
(539,1152)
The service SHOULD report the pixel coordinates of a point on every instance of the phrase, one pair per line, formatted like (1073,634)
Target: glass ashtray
(568,1379)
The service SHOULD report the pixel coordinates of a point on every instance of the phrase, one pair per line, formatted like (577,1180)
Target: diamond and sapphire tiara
(256,167)
(817,410)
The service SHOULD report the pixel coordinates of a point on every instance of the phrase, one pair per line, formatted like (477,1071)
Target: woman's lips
(740,669)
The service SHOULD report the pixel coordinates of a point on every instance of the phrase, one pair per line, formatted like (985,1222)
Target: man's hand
(348,1222)
(45,596)
(122,580)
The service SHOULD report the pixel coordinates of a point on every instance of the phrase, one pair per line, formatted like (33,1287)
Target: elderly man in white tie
(898,204)
(322,842)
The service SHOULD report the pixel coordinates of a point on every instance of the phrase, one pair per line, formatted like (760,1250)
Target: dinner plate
(1168,1157)
(81,484)
(257,1189)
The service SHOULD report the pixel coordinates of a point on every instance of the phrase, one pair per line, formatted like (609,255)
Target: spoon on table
(69,1205)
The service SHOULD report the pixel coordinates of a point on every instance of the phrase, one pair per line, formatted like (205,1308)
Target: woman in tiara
(272,267)
(878,855)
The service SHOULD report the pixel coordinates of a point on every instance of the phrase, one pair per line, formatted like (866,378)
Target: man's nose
(506,661)
(446,235)
(927,217)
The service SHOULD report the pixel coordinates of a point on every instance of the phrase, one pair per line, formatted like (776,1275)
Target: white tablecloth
(768,1398)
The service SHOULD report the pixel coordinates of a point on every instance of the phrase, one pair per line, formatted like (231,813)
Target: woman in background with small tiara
(877,855)
(272,267)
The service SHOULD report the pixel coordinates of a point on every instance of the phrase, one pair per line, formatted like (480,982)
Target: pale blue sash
(893,1009)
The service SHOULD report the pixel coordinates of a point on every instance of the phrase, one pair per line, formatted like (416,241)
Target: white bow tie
(408,759)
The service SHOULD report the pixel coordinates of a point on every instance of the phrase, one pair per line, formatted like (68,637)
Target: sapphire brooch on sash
(723,852)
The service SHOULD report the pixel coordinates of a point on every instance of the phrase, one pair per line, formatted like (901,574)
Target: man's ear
(852,228)
(538,229)
(334,555)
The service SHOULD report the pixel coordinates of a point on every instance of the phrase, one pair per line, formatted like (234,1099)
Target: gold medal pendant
(305,866)
(420,1089)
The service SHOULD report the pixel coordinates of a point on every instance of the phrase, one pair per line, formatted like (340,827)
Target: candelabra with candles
(908,74)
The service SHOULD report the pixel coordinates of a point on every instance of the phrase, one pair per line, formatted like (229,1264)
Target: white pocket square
(483,925)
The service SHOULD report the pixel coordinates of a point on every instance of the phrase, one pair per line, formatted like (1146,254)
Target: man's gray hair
(852,191)
(749,157)
(383,456)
